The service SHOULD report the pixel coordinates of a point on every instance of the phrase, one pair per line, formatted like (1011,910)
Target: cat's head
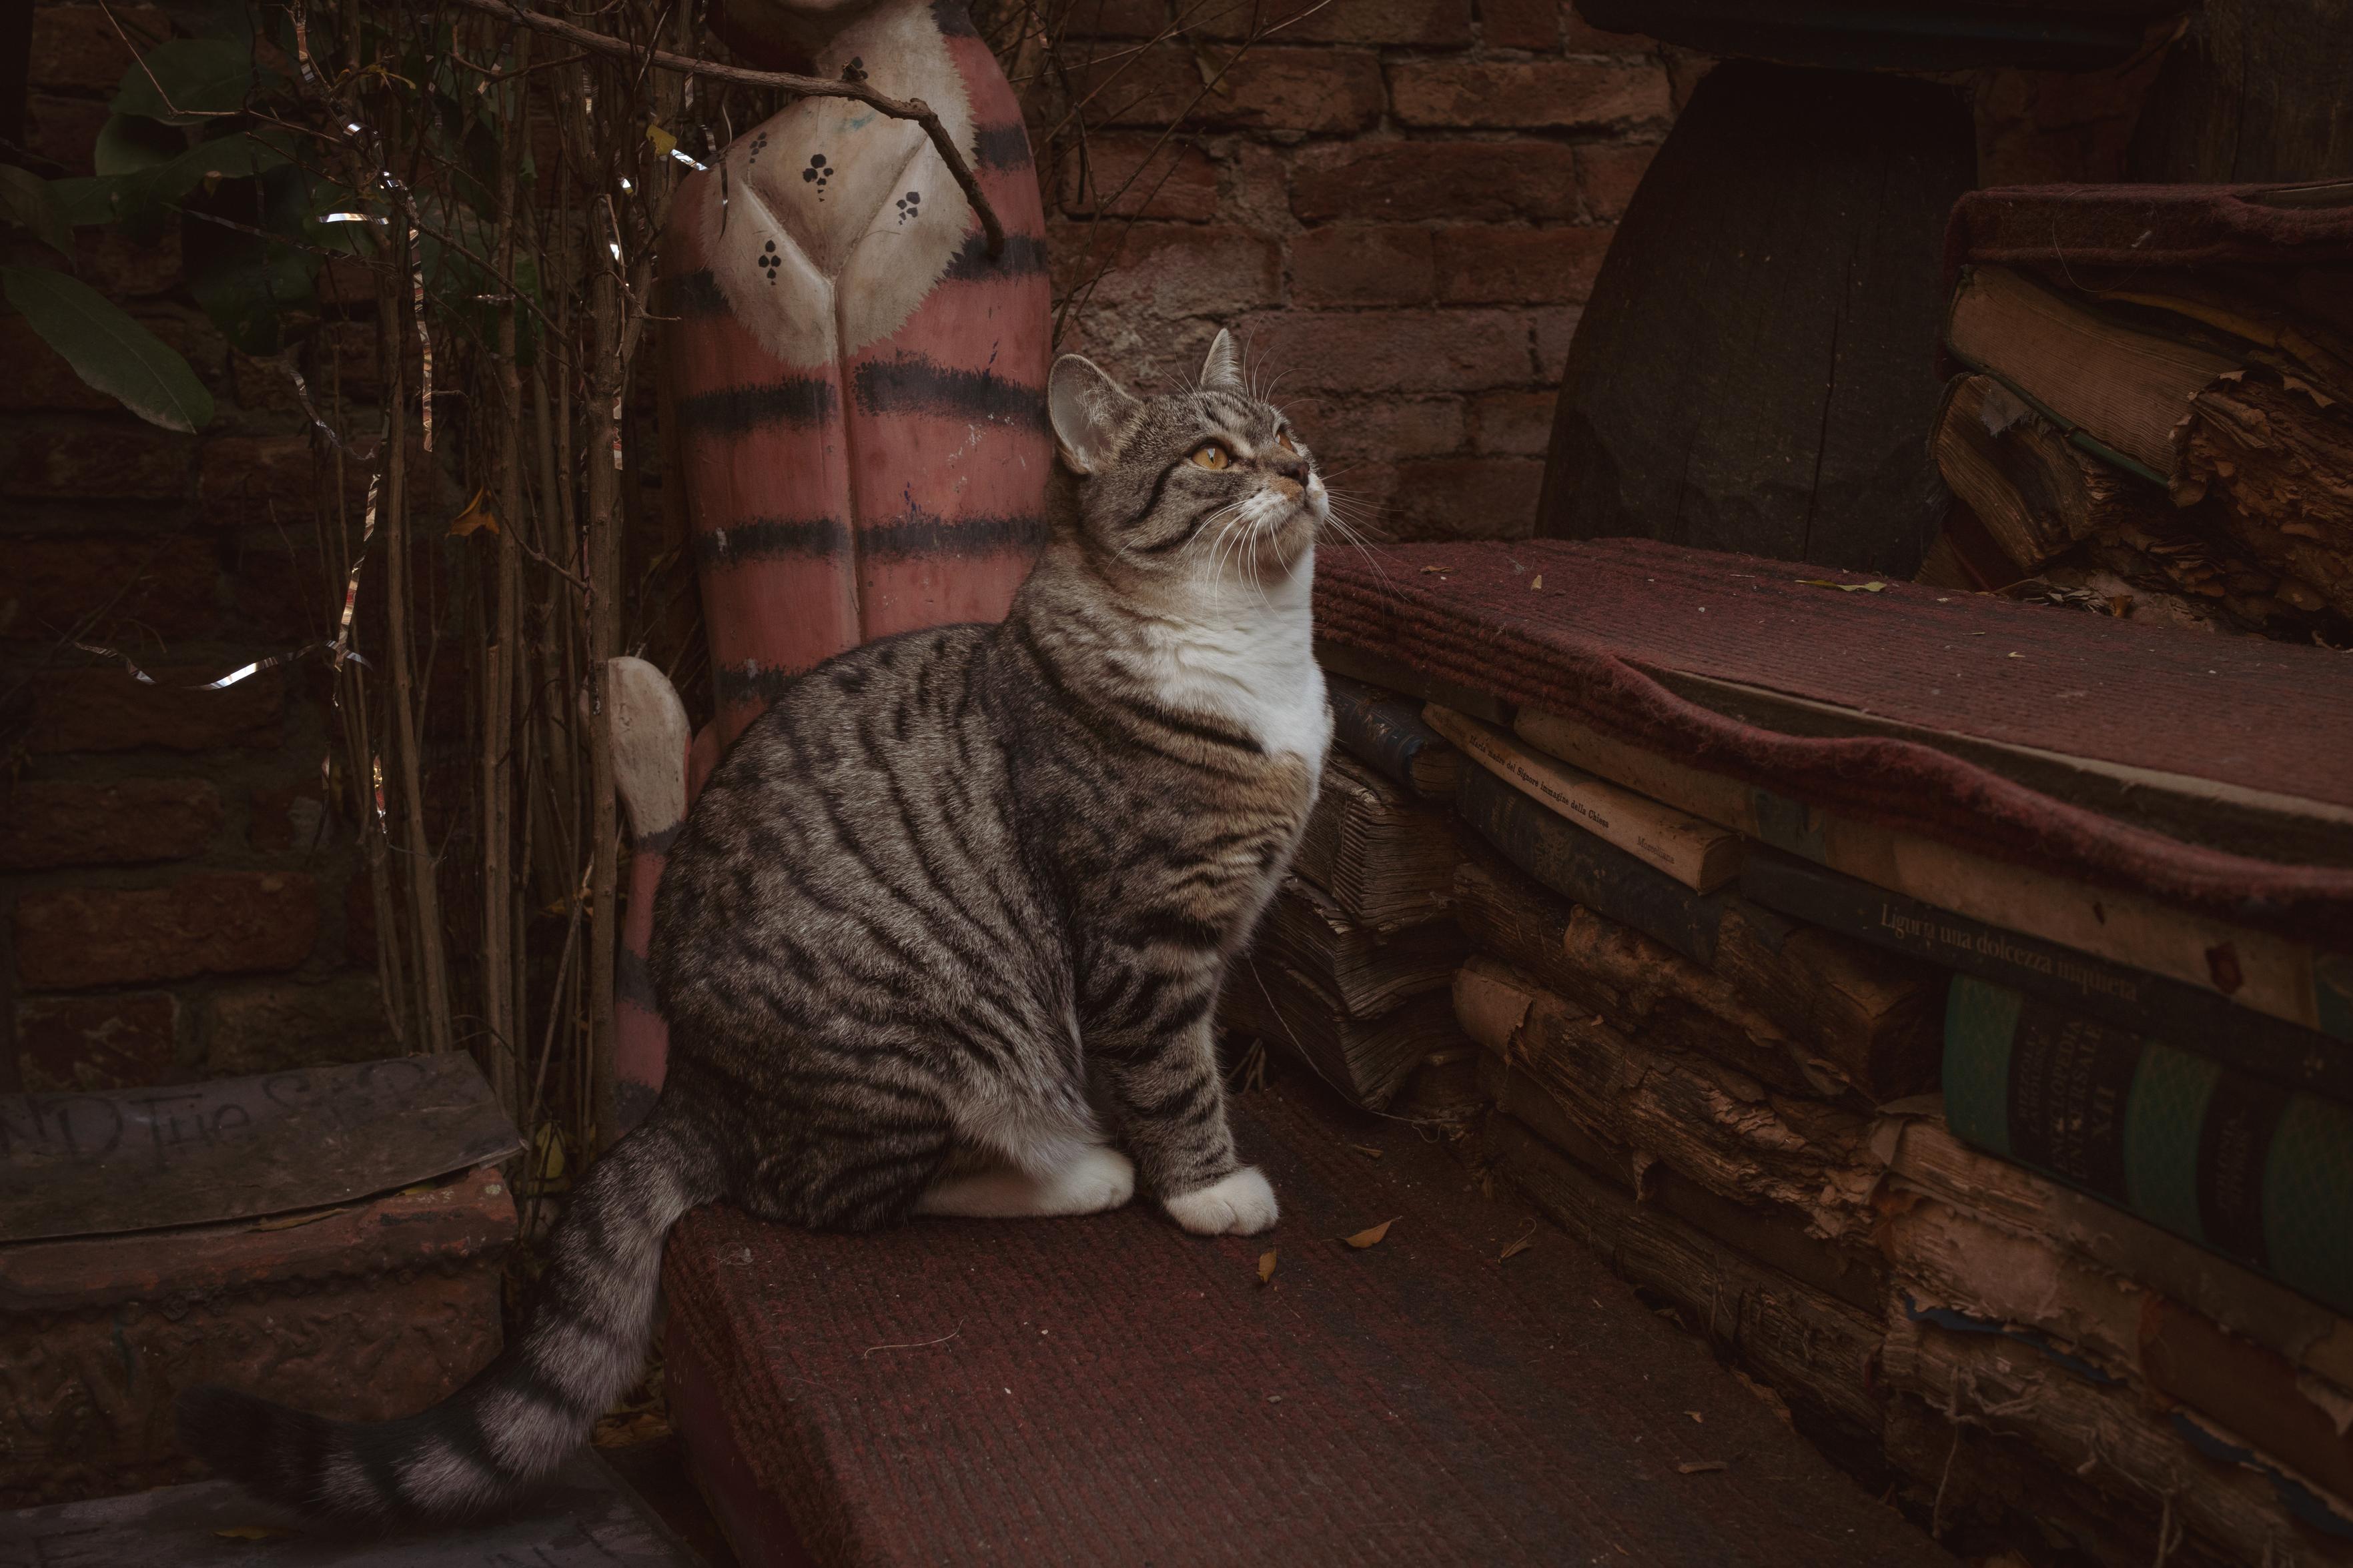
(1209,484)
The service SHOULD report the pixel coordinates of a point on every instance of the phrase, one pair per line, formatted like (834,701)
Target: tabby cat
(947,920)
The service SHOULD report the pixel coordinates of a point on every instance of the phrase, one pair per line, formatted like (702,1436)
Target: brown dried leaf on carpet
(1266,1267)
(1372,1237)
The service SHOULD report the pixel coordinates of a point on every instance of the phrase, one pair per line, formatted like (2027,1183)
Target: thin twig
(909,108)
(915,1344)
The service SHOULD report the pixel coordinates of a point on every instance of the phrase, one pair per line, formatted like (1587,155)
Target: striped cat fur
(942,935)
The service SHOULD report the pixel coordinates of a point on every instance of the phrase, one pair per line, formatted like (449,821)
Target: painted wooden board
(860,386)
(586,1518)
(98,1164)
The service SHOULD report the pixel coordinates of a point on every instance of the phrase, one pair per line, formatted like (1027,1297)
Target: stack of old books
(1351,965)
(2148,417)
(2097,1289)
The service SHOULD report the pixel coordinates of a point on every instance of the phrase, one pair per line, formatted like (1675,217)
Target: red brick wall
(1399,204)
(1402,205)
(173,895)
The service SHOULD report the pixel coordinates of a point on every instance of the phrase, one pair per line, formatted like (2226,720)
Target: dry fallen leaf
(1366,1149)
(1266,1267)
(1699,1467)
(1521,1245)
(296,1221)
(1427,570)
(478,514)
(1873,587)
(1372,1237)
(1696,1416)
(2014,656)
(1537,581)
(254,1533)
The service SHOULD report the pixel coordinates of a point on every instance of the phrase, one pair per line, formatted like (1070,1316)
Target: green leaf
(108,348)
(129,144)
(26,198)
(246,284)
(182,81)
(142,195)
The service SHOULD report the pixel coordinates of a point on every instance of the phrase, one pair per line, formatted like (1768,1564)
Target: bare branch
(909,108)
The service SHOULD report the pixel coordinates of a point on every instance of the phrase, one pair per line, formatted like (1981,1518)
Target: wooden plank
(1700,856)
(2254,91)
(583,1518)
(2253,968)
(95,1164)
(1752,370)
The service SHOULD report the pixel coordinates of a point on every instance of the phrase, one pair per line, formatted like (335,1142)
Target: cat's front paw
(1239,1205)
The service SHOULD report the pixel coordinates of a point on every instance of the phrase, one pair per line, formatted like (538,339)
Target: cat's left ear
(1222,370)
(1091,413)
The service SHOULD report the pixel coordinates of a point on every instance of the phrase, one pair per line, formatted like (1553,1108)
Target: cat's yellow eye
(1209,454)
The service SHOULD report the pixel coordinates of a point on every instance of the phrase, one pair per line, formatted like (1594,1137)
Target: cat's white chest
(1252,663)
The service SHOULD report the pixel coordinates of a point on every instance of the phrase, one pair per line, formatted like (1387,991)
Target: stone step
(1112,1390)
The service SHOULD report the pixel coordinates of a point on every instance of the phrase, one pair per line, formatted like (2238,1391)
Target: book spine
(1700,855)
(1582,867)
(2237,1163)
(1384,732)
(2132,999)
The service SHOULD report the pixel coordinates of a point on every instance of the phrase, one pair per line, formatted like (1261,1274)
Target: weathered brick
(1584,38)
(1466,498)
(1553,94)
(75,46)
(1382,263)
(1417,351)
(1344,431)
(64,129)
(1429,24)
(67,822)
(256,479)
(289,816)
(213,922)
(97,1043)
(103,709)
(40,378)
(1264,88)
(263,387)
(1165,269)
(1501,265)
(1137,175)
(1416,180)
(168,585)
(1512,424)
(286,593)
(272,1026)
(1521,24)
(125,462)
(1554,328)
(121,268)
(1607,173)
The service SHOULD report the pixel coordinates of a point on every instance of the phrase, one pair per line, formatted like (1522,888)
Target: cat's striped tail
(584,1345)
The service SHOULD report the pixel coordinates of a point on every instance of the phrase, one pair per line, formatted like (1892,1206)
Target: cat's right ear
(1091,413)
